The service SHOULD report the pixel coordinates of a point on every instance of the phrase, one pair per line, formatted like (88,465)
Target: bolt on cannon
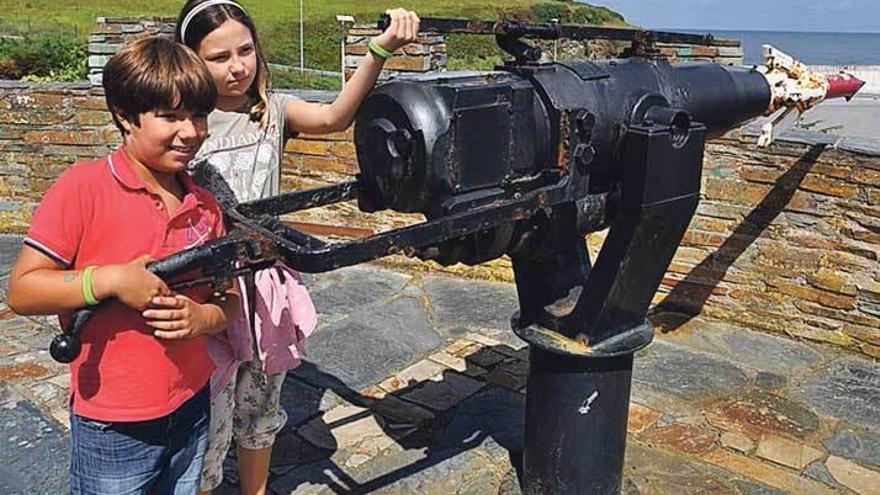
(525,161)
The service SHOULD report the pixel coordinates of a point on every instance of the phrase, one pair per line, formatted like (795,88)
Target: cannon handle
(66,346)
(554,31)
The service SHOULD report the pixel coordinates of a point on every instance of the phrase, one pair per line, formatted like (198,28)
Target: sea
(811,48)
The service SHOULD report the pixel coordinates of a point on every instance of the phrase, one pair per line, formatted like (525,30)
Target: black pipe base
(575,423)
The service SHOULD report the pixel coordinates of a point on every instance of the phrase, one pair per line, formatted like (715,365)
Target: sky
(757,15)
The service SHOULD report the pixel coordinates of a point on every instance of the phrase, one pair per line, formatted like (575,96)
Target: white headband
(199,8)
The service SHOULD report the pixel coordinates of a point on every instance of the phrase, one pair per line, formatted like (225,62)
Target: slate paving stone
(8,396)
(33,451)
(467,452)
(767,353)
(629,487)
(34,336)
(444,394)
(657,471)
(299,400)
(847,389)
(332,391)
(403,318)
(366,348)
(504,336)
(29,367)
(319,433)
(291,451)
(750,488)
(471,306)
(485,357)
(770,381)
(309,479)
(401,412)
(29,332)
(447,472)
(684,373)
(819,472)
(11,347)
(509,484)
(759,411)
(492,418)
(49,395)
(345,291)
(9,248)
(859,445)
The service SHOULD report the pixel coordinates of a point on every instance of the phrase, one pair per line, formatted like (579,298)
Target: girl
(248,132)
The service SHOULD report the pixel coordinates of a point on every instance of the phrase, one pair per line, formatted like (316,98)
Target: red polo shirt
(100,212)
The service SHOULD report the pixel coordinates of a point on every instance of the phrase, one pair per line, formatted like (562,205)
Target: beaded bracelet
(378,50)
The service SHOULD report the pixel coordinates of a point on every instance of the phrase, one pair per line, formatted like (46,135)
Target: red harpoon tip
(843,85)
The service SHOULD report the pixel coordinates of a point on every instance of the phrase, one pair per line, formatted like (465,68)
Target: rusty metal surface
(551,31)
(551,340)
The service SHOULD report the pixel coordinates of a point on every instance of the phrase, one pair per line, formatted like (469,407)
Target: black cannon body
(441,144)
(614,144)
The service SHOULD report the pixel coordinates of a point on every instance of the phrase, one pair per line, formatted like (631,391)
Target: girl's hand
(179,317)
(403,30)
(131,283)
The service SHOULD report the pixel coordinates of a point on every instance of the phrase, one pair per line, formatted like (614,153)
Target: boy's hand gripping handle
(65,347)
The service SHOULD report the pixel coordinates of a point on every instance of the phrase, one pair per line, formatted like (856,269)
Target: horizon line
(754,30)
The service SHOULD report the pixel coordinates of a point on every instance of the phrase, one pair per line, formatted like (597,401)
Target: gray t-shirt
(248,158)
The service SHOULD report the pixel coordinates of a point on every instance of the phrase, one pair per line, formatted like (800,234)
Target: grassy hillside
(278,21)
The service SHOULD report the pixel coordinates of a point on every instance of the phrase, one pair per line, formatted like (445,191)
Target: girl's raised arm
(320,118)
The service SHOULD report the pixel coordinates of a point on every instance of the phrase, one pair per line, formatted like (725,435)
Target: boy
(139,400)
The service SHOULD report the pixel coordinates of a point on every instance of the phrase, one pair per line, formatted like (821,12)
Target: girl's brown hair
(154,73)
(209,19)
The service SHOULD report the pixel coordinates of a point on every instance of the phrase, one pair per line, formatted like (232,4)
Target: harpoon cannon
(524,161)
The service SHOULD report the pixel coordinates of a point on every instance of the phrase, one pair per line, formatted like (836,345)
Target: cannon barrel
(423,140)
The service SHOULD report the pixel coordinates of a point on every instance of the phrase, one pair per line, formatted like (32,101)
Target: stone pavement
(414,384)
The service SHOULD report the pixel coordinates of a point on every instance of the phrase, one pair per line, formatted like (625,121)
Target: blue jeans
(161,456)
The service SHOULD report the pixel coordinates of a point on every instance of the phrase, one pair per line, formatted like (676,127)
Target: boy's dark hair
(154,73)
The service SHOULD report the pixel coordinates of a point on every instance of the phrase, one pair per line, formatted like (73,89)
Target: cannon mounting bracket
(602,310)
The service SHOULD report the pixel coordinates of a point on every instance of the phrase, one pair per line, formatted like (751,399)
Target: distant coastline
(812,48)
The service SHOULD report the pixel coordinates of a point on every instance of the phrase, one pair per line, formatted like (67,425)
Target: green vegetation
(568,12)
(293,78)
(278,22)
(43,57)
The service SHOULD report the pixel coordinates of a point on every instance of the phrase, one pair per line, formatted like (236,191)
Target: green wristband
(88,293)
(378,50)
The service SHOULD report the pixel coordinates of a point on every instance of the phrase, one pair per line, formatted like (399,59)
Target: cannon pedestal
(583,323)
(576,413)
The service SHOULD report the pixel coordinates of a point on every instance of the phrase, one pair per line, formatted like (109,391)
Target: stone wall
(43,129)
(724,51)
(427,54)
(111,33)
(786,239)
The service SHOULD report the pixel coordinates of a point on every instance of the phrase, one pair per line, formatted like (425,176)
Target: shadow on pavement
(431,421)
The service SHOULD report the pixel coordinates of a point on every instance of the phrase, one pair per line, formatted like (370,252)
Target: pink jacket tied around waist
(284,316)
